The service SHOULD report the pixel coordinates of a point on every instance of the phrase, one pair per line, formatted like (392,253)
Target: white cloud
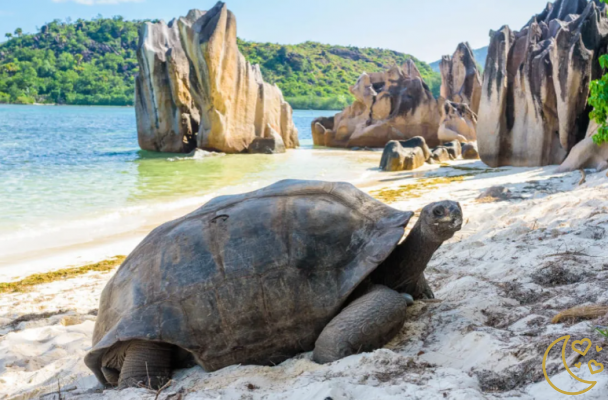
(6,13)
(95,2)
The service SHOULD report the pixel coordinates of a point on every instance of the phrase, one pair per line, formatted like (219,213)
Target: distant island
(94,63)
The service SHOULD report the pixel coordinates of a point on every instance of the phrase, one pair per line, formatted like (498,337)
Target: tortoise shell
(251,278)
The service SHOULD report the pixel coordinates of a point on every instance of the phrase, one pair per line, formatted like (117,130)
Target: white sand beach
(501,280)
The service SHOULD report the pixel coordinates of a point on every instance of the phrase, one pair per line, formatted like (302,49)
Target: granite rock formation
(460,78)
(393,105)
(454,148)
(470,151)
(271,143)
(392,157)
(418,141)
(534,108)
(196,90)
(398,158)
(587,154)
(440,155)
(458,122)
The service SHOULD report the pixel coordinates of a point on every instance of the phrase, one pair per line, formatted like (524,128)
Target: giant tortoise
(260,277)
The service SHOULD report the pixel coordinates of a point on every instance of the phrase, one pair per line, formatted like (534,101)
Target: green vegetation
(598,99)
(94,63)
(317,76)
(84,62)
(48,277)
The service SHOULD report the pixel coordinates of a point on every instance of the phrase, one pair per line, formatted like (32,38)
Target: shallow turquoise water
(76,174)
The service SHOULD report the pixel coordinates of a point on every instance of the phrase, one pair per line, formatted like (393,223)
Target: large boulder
(441,155)
(454,148)
(196,90)
(587,154)
(320,126)
(392,105)
(272,143)
(470,151)
(417,141)
(534,108)
(460,78)
(398,158)
(414,159)
(458,122)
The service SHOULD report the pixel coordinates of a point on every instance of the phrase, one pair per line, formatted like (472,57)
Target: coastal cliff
(196,90)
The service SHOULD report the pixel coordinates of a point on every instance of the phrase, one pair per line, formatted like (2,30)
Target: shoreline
(146,201)
(18,266)
(89,238)
(508,242)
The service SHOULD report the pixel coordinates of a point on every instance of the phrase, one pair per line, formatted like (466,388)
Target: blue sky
(426,29)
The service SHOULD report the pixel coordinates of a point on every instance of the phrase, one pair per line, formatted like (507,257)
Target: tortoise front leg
(146,364)
(365,325)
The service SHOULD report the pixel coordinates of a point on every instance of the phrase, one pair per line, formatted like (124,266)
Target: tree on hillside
(71,63)
(9,35)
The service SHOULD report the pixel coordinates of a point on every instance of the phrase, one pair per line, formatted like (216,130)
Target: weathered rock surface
(272,143)
(458,122)
(414,159)
(196,90)
(398,158)
(587,154)
(418,141)
(470,151)
(460,78)
(392,157)
(394,105)
(319,127)
(440,155)
(454,148)
(533,108)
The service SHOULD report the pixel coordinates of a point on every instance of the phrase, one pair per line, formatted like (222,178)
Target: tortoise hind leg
(367,324)
(146,364)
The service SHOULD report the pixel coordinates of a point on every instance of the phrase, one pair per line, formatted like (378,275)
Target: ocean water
(73,175)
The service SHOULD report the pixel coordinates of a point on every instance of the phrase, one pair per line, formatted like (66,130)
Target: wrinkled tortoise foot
(428,294)
(147,365)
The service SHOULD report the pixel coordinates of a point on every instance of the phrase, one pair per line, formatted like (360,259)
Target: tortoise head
(441,220)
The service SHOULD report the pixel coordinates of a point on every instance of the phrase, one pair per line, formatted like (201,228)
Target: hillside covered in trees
(317,76)
(95,63)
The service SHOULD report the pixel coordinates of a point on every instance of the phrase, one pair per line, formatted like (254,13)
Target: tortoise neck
(402,270)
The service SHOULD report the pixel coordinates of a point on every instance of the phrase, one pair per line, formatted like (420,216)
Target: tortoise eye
(438,212)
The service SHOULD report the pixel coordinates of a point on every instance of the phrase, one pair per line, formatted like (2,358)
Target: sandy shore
(514,266)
